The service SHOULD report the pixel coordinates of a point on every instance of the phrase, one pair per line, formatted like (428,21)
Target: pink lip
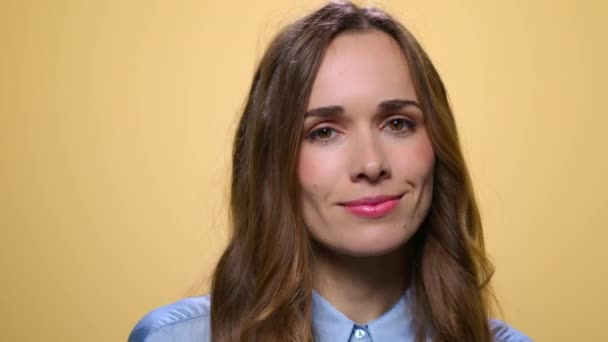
(372,207)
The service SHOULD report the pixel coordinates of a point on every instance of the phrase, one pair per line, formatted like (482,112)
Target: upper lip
(374,200)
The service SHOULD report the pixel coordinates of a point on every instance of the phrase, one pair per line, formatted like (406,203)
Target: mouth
(373,207)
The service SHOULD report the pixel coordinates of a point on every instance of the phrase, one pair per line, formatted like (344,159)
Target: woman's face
(366,162)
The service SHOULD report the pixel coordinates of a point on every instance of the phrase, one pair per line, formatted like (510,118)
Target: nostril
(373,175)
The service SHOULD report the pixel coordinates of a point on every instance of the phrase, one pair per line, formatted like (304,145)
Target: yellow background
(115,129)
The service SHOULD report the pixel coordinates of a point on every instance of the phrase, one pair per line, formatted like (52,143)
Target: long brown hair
(262,286)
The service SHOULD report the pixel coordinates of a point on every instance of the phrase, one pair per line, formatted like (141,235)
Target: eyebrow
(383,107)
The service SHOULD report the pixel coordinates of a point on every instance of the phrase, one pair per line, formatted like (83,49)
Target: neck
(362,288)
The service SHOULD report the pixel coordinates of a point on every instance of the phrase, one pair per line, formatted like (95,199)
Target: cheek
(318,170)
(416,160)
(307,170)
(425,155)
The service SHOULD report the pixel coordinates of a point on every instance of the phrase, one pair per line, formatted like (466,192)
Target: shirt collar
(329,324)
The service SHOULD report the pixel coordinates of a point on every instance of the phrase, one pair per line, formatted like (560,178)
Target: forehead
(362,67)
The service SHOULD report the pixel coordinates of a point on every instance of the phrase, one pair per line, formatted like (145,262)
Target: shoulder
(189,320)
(185,320)
(502,332)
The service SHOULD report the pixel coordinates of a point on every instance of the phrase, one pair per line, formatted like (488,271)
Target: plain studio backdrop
(115,132)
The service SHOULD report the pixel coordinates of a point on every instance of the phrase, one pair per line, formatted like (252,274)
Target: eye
(400,125)
(323,134)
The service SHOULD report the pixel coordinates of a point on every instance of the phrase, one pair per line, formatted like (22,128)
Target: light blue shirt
(188,320)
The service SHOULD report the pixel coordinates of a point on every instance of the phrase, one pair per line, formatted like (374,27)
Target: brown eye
(396,124)
(399,125)
(323,134)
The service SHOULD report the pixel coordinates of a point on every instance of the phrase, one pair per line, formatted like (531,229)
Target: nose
(369,161)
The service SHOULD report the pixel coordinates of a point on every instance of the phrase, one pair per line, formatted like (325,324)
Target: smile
(373,207)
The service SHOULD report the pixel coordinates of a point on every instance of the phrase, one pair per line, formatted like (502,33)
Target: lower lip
(373,211)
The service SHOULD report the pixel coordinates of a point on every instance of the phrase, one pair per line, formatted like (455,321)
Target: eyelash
(410,125)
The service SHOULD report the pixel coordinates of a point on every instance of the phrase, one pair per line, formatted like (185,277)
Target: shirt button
(360,334)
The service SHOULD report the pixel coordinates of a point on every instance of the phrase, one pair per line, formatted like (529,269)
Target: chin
(369,250)
(366,244)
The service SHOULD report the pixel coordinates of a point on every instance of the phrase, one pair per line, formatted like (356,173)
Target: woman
(352,210)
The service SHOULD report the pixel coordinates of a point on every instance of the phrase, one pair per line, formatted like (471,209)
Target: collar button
(360,334)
